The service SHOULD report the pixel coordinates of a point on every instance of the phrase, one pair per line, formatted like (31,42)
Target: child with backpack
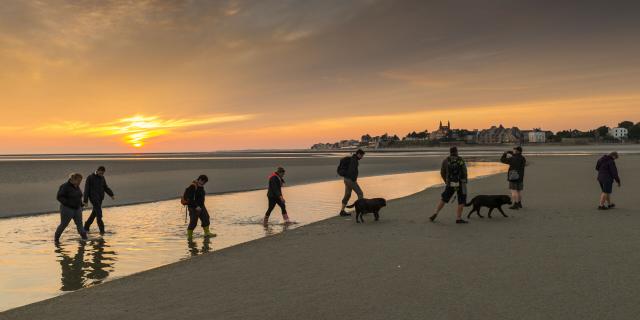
(454,174)
(193,198)
(348,169)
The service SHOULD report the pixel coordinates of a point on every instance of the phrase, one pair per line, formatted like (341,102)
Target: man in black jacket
(351,181)
(274,194)
(94,189)
(195,196)
(70,198)
(515,175)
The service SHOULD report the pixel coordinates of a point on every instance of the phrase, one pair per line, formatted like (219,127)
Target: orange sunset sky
(156,76)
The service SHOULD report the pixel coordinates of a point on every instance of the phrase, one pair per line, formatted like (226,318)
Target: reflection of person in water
(101,261)
(76,273)
(193,246)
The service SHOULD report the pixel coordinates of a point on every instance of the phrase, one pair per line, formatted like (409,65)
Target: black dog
(491,202)
(368,206)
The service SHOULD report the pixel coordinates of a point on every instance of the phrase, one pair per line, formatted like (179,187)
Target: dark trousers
(194,215)
(66,215)
(96,212)
(272,204)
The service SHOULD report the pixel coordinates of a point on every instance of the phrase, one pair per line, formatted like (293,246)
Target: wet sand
(559,258)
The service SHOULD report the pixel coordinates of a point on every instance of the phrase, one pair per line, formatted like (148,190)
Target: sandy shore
(557,259)
(28,187)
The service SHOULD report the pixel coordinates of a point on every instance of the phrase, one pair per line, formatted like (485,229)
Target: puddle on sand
(145,236)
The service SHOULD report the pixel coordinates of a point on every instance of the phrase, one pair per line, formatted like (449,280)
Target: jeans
(349,186)
(66,215)
(96,212)
(272,204)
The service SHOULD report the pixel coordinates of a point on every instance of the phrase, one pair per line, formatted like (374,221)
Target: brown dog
(368,206)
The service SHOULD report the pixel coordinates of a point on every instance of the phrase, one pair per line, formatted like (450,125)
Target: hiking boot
(460,221)
(345,214)
(433,217)
(603,208)
(514,206)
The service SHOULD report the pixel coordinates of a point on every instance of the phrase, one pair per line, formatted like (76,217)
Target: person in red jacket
(274,195)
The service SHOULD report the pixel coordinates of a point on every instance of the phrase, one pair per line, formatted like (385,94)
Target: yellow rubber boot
(189,234)
(208,233)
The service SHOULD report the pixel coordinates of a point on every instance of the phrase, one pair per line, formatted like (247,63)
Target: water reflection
(146,236)
(76,273)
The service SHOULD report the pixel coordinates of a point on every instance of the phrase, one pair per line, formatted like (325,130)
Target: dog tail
(351,206)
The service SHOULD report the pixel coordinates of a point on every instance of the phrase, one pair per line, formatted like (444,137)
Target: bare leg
(603,198)
(459,211)
(438,208)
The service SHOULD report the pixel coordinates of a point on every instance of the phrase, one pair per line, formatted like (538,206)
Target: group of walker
(453,172)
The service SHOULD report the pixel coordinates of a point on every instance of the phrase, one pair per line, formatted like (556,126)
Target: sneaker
(433,217)
(345,214)
(514,206)
(460,221)
(603,208)
(611,206)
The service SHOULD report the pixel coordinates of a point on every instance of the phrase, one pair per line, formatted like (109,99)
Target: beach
(559,258)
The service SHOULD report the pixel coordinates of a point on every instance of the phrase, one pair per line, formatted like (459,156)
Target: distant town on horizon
(625,131)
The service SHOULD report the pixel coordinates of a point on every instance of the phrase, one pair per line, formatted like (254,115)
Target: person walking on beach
(274,195)
(70,198)
(194,197)
(94,189)
(348,169)
(454,174)
(607,174)
(515,175)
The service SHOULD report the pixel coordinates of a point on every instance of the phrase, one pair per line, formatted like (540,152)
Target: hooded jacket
(607,170)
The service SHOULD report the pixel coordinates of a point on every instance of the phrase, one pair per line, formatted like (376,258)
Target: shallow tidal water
(145,236)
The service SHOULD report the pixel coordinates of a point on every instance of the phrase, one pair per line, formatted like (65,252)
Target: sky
(170,76)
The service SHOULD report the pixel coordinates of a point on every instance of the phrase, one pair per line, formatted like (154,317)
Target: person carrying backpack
(515,175)
(193,198)
(274,194)
(348,169)
(454,174)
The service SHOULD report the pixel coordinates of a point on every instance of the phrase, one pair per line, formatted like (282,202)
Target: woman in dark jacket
(274,195)
(515,175)
(607,174)
(70,198)
(194,196)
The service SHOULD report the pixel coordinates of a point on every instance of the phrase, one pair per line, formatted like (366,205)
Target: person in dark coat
(70,198)
(274,195)
(351,181)
(195,197)
(515,175)
(94,190)
(607,174)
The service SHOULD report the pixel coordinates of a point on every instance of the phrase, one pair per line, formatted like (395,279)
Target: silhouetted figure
(72,268)
(70,198)
(274,195)
(454,174)
(607,174)
(348,169)
(194,196)
(94,189)
(515,175)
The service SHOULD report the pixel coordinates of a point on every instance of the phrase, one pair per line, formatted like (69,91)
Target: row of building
(445,133)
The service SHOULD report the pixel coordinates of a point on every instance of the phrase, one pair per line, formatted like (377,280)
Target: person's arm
(62,196)
(464,171)
(598,164)
(106,188)
(87,189)
(505,159)
(351,172)
(443,170)
(614,172)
